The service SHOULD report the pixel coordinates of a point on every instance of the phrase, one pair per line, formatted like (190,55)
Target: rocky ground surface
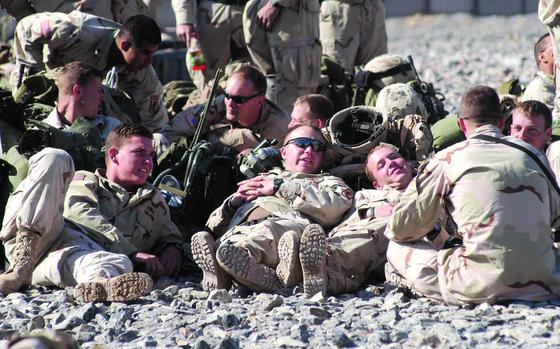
(454,52)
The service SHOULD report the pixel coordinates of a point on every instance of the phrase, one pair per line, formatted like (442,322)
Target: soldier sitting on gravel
(251,221)
(236,119)
(113,218)
(542,87)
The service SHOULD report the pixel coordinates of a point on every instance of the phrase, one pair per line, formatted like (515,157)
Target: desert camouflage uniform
(105,124)
(53,39)
(541,89)
(290,53)
(553,156)
(549,13)
(504,208)
(218,25)
(272,124)
(302,199)
(353,31)
(66,255)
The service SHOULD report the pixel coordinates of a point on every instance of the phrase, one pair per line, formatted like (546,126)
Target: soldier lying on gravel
(251,221)
(503,204)
(112,217)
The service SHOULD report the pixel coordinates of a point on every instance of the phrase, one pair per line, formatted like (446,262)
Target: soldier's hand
(153,266)
(383,211)
(267,15)
(171,260)
(255,187)
(185,32)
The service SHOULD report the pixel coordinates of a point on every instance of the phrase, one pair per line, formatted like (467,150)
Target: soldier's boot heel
(313,256)
(24,263)
(289,267)
(203,247)
(123,288)
(238,263)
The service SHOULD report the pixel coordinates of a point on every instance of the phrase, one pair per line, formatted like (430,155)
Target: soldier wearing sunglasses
(238,119)
(250,223)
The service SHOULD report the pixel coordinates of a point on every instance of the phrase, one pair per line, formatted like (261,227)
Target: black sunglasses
(304,142)
(240,99)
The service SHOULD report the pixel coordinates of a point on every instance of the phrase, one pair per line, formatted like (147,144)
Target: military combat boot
(203,247)
(313,256)
(24,259)
(237,262)
(122,288)
(289,267)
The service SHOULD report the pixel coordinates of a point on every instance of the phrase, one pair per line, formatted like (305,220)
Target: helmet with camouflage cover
(358,128)
(399,100)
(388,69)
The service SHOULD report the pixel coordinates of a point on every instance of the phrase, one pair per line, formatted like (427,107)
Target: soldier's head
(480,106)
(399,100)
(544,54)
(245,95)
(129,155)
(312,109)
(531,121)
(79,91)
(303,149)
(138,40)
(386,167)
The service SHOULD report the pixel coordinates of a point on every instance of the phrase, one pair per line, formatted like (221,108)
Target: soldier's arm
(185,11)
(184,124)
(218,221)
(81,207)
(420,206)
(324,199)
(169,234)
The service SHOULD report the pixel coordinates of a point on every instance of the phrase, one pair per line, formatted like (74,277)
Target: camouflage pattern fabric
(397,100)
(541,89)
(504,208)
(549,12)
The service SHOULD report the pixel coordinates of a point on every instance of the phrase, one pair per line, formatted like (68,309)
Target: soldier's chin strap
(551,178)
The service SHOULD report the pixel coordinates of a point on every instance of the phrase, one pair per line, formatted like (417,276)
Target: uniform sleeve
(421,205)
(147,93)
(324,200)
(81,207)
(548,11)
(185,11)
(169,233)
(286,3)
(218,221)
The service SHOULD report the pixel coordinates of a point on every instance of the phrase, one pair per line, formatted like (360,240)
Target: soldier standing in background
(549,13)
(353,31)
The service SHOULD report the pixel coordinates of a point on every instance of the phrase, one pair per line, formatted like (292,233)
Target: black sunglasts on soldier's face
(240,99)
(304,142)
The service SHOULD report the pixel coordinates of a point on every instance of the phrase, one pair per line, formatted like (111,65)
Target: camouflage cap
(399,100)
(358,128)
(391,68)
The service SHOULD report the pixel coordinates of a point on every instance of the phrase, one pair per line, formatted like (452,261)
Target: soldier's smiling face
(530,129)
(243,103)
(388,168)
(297,157)
(132,163)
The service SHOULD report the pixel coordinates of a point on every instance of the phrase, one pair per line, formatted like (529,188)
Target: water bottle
(195,56)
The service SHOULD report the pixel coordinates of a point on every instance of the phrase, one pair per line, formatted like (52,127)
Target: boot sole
(289,267)
(236,261)
(312,255)
(122,288)
(204,254)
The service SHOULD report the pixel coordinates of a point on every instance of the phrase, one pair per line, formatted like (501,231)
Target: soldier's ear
(126,45)
(283,152)
(376,185)
(113,155)
(76,90)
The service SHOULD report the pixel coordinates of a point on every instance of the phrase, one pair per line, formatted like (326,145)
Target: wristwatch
(277,183)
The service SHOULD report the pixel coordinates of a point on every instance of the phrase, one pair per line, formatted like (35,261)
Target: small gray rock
(220,295)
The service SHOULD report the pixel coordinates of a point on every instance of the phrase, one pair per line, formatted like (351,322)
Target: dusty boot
(122,288)
(203,249)
(24,263)
(289,267)
(238,263)
(313,256)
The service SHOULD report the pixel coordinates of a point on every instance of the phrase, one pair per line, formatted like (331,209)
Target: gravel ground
(454,52)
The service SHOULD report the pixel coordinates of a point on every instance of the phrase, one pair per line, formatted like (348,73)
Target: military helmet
(388,69)
(399,100)
(358,128)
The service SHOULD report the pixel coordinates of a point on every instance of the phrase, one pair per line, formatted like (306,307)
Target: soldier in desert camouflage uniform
(549,12)
(542,87)
(53,39)
(504,208)
(251,221)
(353,31)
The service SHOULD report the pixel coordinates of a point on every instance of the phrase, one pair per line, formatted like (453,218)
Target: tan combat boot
(203,248)
(122,288)
(24,259)
(289,267)
(238,263)
(313,256)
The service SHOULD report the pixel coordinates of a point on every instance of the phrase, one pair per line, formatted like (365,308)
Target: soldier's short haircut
(120,134)
(373,150)
(481,104)
(74,73)
(143,30)
(254,75)
(313,127)
(320,107)
(541,45)
(532,109)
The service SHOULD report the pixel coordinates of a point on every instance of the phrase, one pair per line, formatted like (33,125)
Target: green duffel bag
(446,132)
